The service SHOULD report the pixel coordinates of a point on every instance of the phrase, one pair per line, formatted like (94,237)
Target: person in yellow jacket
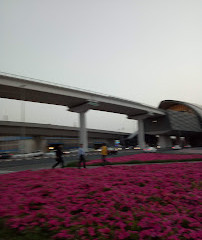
(104,153)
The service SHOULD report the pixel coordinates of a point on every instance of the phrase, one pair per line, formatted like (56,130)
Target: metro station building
(181,124)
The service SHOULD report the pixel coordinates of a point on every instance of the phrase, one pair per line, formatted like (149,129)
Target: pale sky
(142,50)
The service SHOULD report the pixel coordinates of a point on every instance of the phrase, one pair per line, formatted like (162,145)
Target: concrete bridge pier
(141,134)
(141,131)
(83,136)
(82,110)
(39,144)
(164,141)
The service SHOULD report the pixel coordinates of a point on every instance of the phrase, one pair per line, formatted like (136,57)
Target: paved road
(14,165)
(11,165)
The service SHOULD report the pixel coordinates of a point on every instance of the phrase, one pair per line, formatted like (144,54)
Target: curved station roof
(182,107)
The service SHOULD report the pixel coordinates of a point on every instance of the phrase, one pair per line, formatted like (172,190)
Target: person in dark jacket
(59,159)
(81,155)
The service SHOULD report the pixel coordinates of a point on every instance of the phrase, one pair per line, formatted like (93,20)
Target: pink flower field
(146,157)
(112,202)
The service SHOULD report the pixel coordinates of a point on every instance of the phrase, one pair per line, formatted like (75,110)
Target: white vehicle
(20,155)
(176,147)
(73,150)
(51,154)
(36,154)
(91,150)
(98,150)
(112,150)
(29,155)
(150,149)
(129,148)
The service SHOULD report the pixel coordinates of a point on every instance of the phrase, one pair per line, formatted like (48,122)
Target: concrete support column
(141,137)
(39,144)
(83,138)
(164,141)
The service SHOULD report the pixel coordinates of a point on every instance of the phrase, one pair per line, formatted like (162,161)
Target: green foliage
(150,161)
(72,164)
(7,233)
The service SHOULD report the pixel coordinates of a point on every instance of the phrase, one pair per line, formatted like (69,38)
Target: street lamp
(23,117)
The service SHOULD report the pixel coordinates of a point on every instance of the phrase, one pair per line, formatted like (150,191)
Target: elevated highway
(39,134)
(10,128)
(76,100)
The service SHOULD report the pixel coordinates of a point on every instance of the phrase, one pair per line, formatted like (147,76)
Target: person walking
(81,154)
(104,153)
(59,159)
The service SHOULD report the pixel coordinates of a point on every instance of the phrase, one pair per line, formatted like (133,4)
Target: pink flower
(91,231)
(159,201)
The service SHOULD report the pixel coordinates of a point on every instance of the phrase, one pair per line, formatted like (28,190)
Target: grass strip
(75,164)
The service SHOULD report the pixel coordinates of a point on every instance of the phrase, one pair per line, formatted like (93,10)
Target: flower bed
(112,202)
(147,157)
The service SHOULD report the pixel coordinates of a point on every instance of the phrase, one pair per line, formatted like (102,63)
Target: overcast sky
(142,50)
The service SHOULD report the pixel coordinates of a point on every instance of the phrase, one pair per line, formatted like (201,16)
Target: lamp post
(23,117)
